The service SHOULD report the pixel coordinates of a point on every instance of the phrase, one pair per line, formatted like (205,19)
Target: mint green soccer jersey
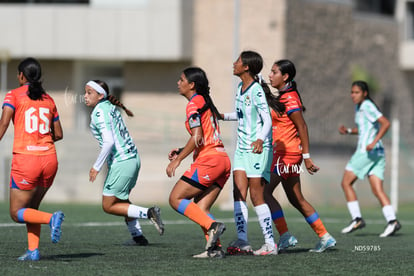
(251,108)
(366,117)
(109,129)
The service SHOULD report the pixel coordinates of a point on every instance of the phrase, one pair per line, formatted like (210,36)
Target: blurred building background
(140,47)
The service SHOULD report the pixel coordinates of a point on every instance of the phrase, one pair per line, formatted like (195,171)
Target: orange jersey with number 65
(32,121)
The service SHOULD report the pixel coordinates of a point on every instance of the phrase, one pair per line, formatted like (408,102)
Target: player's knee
(173,201)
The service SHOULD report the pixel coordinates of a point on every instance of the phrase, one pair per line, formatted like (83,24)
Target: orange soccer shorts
(208,170)
(30,171)
(286,165)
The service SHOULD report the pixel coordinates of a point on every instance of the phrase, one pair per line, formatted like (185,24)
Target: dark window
(386,7)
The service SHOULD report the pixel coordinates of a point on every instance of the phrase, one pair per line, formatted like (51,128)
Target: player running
(208,173)
(368,159)
(34,164)
(121,154)
(253,155)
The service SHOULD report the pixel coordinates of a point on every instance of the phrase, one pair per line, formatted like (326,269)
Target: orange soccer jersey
(32,121)
(285,135)
(211,143)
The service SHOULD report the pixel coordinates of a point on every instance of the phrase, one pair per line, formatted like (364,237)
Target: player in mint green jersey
(368,159)
(121,155)
(253,155)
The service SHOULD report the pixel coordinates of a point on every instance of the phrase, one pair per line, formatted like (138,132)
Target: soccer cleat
(214,233)
(56,225)
(357,223)
(266,249)
(286,241)
(327,241)
(239,247)
(140,240)
(154,215)
(392,227)
(30,256)
(216,252)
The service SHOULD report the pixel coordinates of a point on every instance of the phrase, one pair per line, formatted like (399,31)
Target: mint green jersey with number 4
(251,107)
(109,129)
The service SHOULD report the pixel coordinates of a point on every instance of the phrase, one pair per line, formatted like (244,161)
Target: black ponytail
(32,71)
(287,67)
(201,86)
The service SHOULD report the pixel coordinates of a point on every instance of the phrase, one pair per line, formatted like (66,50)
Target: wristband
(306,155)
(349,130)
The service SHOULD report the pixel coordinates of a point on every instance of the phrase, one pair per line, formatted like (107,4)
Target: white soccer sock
(389,213)
(353,207)
(135,211)
(241,215)
(265,221)
(134,228)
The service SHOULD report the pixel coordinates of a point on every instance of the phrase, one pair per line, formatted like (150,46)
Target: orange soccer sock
(33,235)
(193,212)
(30,215)
(316,223)
(280,222)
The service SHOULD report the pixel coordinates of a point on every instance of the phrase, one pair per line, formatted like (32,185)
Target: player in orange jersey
(204,180)
(34,165)
(290,147)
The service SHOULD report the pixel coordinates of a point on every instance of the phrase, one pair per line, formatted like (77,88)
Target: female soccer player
(253,155)
(204,180)
(290,146)
(34,165)
(368,159)
(121,154)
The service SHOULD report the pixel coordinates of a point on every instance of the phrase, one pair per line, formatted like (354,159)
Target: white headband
(97,88)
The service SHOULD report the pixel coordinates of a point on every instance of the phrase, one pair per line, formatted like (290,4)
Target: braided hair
(201,86)
(113,99)
(32,71)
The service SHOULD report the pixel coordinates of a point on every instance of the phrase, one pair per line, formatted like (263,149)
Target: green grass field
(93,244)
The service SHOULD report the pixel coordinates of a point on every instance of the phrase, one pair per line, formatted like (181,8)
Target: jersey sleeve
(10,100)
(103,128)
(371,111)
(263,110)
(292,104)
(193,117)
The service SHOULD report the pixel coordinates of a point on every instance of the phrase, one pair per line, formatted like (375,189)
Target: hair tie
(97,88)
(260,78)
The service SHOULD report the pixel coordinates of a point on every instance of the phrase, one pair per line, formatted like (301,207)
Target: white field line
(187,221)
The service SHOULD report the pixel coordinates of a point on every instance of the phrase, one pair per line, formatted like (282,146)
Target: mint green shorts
(367,163)
(122,177)
(255,165)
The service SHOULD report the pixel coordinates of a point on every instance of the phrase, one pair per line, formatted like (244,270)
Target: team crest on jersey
(247,101)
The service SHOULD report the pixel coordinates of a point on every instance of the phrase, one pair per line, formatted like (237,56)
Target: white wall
(147,30)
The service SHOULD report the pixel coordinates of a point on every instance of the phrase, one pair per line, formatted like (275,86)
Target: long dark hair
(113,99)
(255,63)
(364,87)
(32,71)
(287,67)
(201,86)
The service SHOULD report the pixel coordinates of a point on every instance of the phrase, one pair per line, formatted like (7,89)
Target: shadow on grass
(69,257)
